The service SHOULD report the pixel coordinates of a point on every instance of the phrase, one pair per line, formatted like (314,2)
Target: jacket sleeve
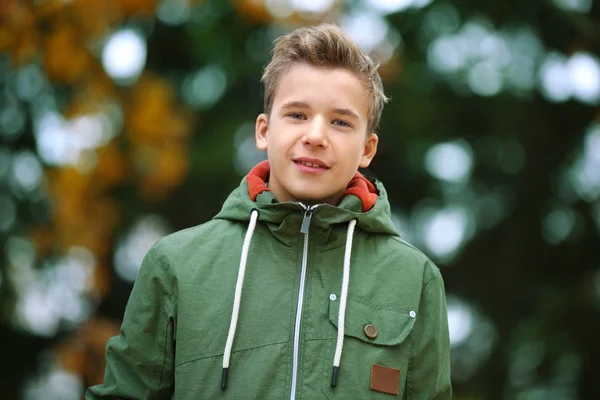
(140,361)
(429,369)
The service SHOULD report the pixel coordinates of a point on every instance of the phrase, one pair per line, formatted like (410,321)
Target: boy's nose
(316,134)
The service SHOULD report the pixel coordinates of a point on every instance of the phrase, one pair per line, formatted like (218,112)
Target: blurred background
(124,121)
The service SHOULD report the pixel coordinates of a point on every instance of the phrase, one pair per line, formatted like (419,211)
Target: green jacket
(178,316)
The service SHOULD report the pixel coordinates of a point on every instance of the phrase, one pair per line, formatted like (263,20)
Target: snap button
(412,314)
(370,331)
(332,297)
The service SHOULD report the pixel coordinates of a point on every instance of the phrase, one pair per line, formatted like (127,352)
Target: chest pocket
(374,335)
(392,325)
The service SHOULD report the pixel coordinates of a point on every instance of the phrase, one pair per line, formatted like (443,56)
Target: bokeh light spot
(62,142)
(460,322)
(247,155)
(442,20)
(390,6)
(578,76)
(582,6)
(472,338)
(584,174)
(584,73)
(445,55)
(450,161)
(204,88)
(20,255)
(52,297)
(27,171)
(403,226)
(367,29)
(133,248)
(445,231)
(554,78)
(54,384)
(484,79)
(523,363)
(124,55)
(12,122)
(87,132)
(279,8)
(173,12)
(558,224)
(34,312)
(494,49)
(52,141)
(312,6)
(29,82)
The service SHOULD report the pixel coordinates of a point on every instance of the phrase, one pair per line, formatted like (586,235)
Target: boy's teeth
(308,164)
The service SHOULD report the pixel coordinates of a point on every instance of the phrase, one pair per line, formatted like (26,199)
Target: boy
(300,287)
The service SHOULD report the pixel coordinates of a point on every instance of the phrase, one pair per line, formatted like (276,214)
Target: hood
(365,201)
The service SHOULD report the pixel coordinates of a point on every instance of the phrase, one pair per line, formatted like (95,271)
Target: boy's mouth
(312,165)
(311,162)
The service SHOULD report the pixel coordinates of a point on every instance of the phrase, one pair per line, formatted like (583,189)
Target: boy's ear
(261,130)
(369,151)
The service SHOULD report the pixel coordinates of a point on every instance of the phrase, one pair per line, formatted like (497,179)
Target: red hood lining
(359,186)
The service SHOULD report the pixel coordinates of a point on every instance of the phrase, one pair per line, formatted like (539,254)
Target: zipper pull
(306,221)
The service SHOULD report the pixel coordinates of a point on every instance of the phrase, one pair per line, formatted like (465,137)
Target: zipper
(308,211)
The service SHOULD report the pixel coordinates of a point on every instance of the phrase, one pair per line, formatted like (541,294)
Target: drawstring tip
(334,376)
(224,378)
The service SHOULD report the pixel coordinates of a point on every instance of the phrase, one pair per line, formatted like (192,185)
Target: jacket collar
(284,219)
(359,186)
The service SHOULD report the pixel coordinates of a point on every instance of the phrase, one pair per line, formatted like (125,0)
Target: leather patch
(385,380)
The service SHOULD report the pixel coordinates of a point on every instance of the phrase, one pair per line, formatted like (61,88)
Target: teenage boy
(300,287)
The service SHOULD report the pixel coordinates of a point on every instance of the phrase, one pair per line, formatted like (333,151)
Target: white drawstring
(343,297)
(238,296)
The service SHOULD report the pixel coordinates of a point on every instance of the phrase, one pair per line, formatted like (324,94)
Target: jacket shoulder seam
(427,260)
(189,229)
(166,266)
(411,246)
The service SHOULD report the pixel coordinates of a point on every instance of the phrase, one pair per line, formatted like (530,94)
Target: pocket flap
(393,325)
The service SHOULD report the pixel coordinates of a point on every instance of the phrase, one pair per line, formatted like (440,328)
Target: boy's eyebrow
(296,104)
(305,105)
(346,112)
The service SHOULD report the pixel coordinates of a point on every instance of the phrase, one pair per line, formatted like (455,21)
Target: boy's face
(316,135)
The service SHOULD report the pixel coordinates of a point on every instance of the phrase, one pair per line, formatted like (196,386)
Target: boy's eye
(296,115)
(339,122)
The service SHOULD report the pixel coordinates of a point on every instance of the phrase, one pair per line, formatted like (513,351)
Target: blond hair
(324,45)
